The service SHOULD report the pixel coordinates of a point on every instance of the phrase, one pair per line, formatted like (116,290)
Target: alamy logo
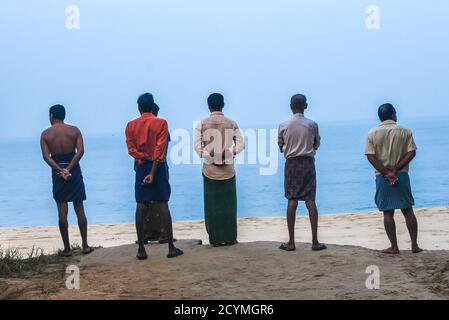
(73,280)
(261,148)
(72,21)
(373,280)
(373,20)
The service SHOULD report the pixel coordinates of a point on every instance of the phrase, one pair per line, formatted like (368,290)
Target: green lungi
(220,208)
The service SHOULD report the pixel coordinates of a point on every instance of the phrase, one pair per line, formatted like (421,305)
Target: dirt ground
(257,270)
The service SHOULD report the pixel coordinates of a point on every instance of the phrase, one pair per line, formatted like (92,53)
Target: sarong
(159,190)
(300,179)
(220,208)
(390,197)
(72,190)
(154,228)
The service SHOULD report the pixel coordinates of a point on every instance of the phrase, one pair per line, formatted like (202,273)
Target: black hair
(299,100)
(58,112)
(386,112)
(155,110)
(216,102)
(146,102)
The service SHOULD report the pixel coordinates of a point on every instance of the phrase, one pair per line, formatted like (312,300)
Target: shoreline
(363,229)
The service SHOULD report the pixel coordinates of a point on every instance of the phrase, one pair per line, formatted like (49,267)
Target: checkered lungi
(300,179)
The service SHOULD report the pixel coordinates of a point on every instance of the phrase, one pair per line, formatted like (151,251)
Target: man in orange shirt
(147,138)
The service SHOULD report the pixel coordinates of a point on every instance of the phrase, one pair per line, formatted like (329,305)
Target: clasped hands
(65,174)
(391,176)
(224,156)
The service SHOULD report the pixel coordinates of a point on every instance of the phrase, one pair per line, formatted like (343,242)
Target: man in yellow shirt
(390,149)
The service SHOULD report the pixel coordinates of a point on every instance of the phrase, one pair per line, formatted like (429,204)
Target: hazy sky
(256,52)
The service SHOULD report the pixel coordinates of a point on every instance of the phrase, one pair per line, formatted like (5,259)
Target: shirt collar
(148,115)
(388,122)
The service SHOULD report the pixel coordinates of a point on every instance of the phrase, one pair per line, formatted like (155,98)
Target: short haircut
(58,112)
(386,112)
(146,102)
(299,100)
(155,110)
(216,102)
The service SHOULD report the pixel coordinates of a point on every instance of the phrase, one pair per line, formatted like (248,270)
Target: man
(390,148)
(154,228)
(62,148)
(298,140)
(146,138)
(218,140)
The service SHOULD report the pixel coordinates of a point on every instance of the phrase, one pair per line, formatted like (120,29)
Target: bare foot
(175,253)
(417,249)
(88,250)
(142,255)
(287,247)
(319,247)
(65,253)
(391,250)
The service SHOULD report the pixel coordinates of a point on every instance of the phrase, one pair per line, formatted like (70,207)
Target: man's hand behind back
(392,177)
(65,174)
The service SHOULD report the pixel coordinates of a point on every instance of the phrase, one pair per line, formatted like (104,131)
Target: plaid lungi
(300,179)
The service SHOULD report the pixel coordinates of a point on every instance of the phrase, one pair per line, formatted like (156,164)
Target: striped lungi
(390,197)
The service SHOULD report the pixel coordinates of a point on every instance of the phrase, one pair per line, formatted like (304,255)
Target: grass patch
(14,263)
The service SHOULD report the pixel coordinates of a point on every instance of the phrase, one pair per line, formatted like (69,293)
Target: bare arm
(46,155)
(149,179)
(79,152)
(377,164)
(408,157)
(386,172)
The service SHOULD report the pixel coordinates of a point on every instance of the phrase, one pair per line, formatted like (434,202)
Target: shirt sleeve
(317,142)
(160,150)
(369,147)
(131,144)
(411,145)
(198,140)
(239,144)
(281,141)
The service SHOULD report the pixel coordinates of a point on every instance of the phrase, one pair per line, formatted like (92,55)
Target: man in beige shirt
(390,148)
(217,141)
(298,140)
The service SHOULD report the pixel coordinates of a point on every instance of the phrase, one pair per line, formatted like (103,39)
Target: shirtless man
(62,148)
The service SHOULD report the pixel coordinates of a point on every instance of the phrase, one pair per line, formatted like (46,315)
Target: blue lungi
(72,190)
(159,190)
(390,197)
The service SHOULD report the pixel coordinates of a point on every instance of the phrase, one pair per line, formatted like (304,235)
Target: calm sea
(345,179)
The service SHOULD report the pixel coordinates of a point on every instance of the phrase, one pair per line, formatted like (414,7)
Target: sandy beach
(358,229)
(253,269)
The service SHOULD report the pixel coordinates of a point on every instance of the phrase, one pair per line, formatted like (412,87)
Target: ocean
(345,178)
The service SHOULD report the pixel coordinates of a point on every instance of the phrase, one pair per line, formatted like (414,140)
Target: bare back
(61,139)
